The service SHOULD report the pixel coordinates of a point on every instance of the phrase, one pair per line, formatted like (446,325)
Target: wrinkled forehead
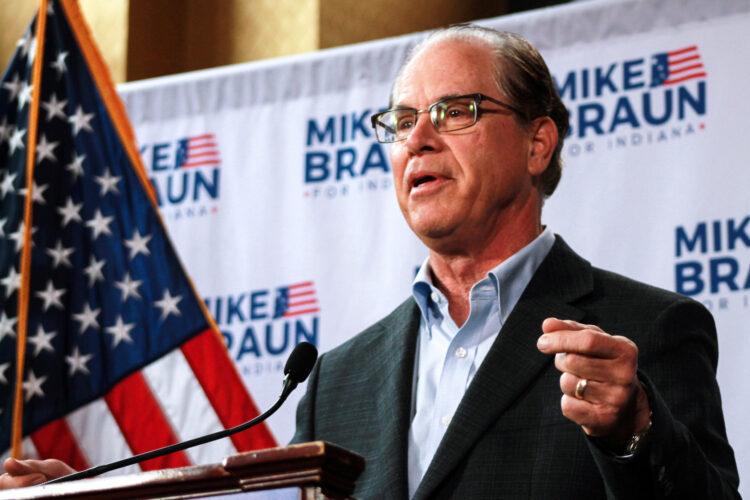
(445,67)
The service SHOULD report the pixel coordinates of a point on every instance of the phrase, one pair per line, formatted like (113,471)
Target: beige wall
(146,38)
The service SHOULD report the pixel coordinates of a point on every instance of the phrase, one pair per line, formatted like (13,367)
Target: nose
(424,136)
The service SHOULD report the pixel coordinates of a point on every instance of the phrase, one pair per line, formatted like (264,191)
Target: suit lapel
(513,362)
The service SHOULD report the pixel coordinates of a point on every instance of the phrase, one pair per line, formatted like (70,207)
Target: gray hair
(520,74)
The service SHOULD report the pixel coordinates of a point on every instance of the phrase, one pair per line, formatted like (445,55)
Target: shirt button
(461,352)
(435,297)
(445,420)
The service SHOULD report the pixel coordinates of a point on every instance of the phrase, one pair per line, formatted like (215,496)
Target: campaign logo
(185,174)
(634,102)
(343,158)
(712,262)
(261,327)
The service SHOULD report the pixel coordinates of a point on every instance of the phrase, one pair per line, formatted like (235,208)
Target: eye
(404,121)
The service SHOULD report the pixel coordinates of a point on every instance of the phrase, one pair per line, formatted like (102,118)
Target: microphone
(297,368)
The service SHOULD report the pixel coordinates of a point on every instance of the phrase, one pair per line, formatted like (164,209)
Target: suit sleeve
(305,430)
(687,454)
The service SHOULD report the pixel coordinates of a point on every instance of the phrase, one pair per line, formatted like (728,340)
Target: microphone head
(300,362)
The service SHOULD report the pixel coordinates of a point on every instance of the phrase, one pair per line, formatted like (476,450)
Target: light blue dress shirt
(448,356)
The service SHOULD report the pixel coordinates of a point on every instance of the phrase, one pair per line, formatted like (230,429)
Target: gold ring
(581,387)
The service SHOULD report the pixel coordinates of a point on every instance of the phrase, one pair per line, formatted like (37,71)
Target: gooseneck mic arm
(297,368)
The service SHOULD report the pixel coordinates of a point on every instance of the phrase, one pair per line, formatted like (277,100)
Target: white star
(45,150)
(168,304)
(80,121)
(42,341)
(5,130)
(77,362)
(50,9)
(59,64)
(25,43)
(16,140)
(108,182)
(3,367)
(120,331)
(129,287)
(71,211)
(99,224)
(11,282)
(33,386)
(138,244)
(32,52)
(14,87)
(2,225)
(7,185)
(25,95)
(87,317)
(51,296)
(94,270)
(60,255)
(19,236)
(76,166)
(54,108)
(6,326)
(36,192)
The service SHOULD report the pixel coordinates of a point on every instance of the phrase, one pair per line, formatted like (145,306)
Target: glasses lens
(454,113)
(394,125)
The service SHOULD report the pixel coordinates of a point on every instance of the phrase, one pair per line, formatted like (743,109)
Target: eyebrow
(445,96)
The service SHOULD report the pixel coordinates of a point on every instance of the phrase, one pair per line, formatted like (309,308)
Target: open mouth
(421,180)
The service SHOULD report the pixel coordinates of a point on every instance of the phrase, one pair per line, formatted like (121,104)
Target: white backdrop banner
(281,202)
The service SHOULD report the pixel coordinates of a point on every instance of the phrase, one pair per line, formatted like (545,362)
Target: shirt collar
(509,278)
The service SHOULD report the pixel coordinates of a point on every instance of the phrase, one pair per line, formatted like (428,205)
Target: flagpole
(23,291)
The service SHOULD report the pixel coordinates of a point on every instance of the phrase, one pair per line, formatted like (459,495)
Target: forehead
(447,67)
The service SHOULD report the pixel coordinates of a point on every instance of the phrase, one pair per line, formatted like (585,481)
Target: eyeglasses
(447,115)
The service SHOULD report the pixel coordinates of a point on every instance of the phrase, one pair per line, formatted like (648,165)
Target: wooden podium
(319,470)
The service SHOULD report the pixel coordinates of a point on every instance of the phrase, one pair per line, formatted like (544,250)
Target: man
(455,394)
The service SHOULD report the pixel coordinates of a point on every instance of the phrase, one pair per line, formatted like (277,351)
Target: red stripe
(142,422)
(217,375)
(300,285)
(56,440)
(299,313)
(688,77)
(200,163)
(301,294)
(303,303)
(682,51)
(198,137)
(207,153)
(686,68)
(685,59)
(203,145)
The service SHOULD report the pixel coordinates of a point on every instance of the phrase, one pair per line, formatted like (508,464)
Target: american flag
(106,350)
(295,300)
(669,68)
(198,151)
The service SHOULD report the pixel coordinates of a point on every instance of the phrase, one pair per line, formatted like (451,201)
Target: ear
(543,134)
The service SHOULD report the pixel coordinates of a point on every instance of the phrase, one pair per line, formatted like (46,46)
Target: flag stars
(24,96)
(80,121)
(19,236)
(14,87)
(120,332)
(5,130)
(94,270)
(11,282)
(77,362)
(51,296)
(100,224)
(3,368)
(37,192)
(16,140)
(45,150)
(33,386)
(6,326)
(76,166)
(107,182)
(59,64)
(60,255)
(168,304)
(87,318)
(137,244)
(70,212)
(7,185)
(54,108)
(42,341)
(128,287)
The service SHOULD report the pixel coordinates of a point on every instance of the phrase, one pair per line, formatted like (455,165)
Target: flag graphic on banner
(669,68)
(106,350)
(198,151)
(295,300)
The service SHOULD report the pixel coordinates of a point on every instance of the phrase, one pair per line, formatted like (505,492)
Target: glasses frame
(478,98)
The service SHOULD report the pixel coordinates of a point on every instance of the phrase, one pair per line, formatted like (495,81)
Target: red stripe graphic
(142,422)
(672,81)
(199,163)
(207,356)
(682,51)
(301,295)
(56,440)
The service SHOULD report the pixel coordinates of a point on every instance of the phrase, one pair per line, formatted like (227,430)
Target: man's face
(459,188)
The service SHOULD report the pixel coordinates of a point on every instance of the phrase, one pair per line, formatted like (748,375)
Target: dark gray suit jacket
(508,437)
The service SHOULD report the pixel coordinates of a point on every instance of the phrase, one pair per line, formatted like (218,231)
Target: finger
(550,325)
(50,468)
(589,342)
(601,370)
(596,393)
(596,420)
(7,481)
